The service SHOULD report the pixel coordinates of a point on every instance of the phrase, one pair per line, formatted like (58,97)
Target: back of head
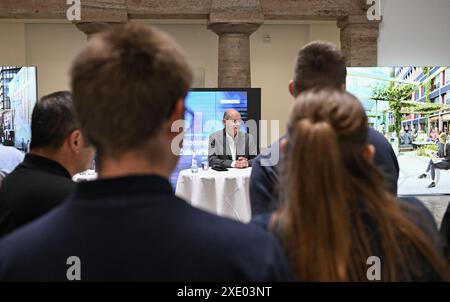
(52,121)
(319,64)
(125,84)
(331,191)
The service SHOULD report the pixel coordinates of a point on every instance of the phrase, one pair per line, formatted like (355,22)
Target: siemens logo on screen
(222,102)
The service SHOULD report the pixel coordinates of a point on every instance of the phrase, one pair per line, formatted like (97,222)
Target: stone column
(234,53)
(359,40)
(234,22)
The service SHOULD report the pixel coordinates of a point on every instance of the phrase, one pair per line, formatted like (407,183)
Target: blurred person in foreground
(129,86)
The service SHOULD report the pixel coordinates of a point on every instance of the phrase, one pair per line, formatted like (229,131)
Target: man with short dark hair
(319,64)
(129,87)
(44,179)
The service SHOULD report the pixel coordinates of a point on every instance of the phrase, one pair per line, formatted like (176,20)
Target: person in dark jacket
(44,179)
(443,152)
(319,64)
(128,225)
(337,220)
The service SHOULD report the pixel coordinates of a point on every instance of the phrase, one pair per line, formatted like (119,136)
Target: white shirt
(232,143)
(10,158)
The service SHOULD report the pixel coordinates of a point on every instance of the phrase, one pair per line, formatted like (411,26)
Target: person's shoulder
(227,226)
(271,152)
(27,238)
(376,138)
(418,213)
(33,185)
(232,240)
(255,250)
(415,206)
(218,133)
(45,176)
(225,231)
(262,221)
(45,182)
(15,177)
(268,159)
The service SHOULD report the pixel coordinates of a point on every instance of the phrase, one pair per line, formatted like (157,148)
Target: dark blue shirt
(264,180)
(135,229)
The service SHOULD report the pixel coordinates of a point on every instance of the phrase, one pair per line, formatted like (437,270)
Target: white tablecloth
(223,193)
(88,175)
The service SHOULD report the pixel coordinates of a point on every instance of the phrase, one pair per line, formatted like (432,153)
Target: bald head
(231,114)
(232,121)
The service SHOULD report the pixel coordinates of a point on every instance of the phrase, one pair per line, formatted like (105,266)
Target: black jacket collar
(130,185)
(37,162)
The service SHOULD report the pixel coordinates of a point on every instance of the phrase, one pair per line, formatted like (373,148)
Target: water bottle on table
(194,166)
(204,163)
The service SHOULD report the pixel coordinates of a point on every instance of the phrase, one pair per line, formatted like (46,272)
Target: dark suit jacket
(135,229)
(219,152)
(32,189)
(264,180)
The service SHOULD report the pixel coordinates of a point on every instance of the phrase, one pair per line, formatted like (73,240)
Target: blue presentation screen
(208,108)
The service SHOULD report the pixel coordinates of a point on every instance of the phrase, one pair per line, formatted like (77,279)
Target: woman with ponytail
(336,210)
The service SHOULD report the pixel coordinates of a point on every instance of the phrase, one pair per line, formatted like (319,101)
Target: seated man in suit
(230,147)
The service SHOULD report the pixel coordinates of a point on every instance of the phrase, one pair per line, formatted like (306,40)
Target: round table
(222,193)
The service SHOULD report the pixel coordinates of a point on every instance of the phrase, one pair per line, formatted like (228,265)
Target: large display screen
(204,114)
(410,105)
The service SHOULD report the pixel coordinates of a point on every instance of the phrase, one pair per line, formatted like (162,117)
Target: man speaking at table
(230,147)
